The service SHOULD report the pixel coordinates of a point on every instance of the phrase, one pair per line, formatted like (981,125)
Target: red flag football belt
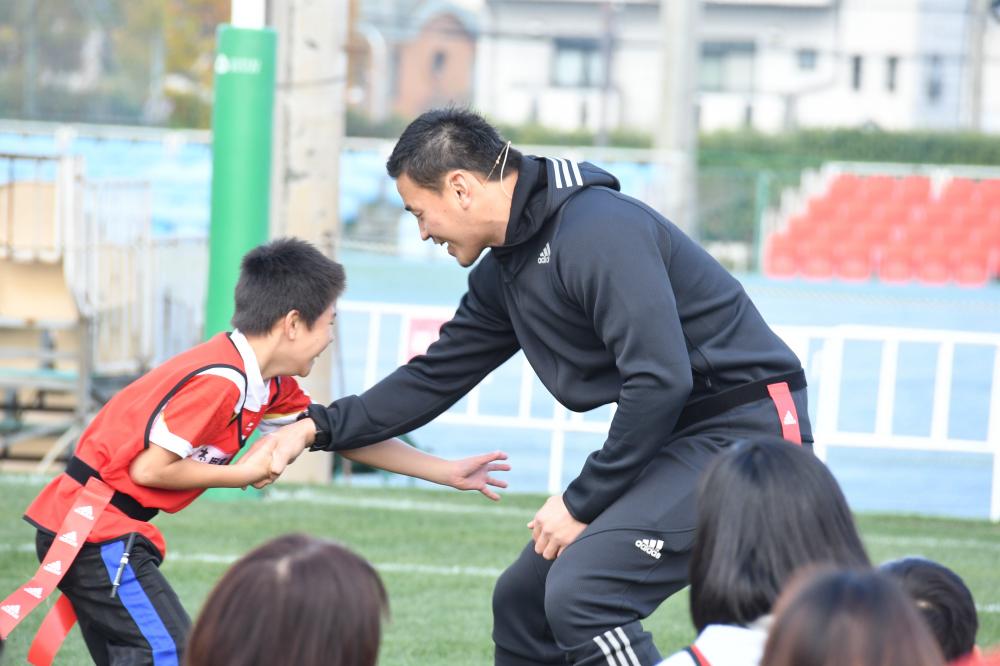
(706,408)
(66,545)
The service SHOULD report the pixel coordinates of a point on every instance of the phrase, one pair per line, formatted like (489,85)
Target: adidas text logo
(70,538)
(789,418)
(651,547)
(35,592)
(545,255)
(85,511)
(54,567)
(14,610)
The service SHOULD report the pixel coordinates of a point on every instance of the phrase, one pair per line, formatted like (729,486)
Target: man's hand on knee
(553,528)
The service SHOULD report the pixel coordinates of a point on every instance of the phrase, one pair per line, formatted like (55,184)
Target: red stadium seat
(958,191)
(816,260)
(823,208)
(913,190)
(932,264)
(971,266)
(895,265)
(780,257)
(876,188)
(990,194)
(853,262)
(844,186)
(890,226)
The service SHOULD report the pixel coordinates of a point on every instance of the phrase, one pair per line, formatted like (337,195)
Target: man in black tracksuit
(611,303)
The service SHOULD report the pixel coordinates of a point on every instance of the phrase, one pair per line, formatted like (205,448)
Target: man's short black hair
(442,140)
(944,601)
(283,275)
(766,507)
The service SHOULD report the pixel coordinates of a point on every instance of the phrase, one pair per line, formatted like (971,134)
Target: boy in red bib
(165,438)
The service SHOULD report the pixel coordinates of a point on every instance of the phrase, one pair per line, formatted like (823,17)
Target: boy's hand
(292,440)
(473,473)
(258,463)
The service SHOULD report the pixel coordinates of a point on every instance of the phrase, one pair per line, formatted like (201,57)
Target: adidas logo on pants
(651,547)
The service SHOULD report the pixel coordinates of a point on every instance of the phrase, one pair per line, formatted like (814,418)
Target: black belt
(80,472)
(713,405)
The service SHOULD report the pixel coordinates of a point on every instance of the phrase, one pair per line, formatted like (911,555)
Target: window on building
(806,59)
(935,79)
(856,72)
(891,72)
(727,66)
(578,64)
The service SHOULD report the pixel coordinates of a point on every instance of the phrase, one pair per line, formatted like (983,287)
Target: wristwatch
(317,413)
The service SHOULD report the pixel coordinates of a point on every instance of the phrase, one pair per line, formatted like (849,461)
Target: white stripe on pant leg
(618,648)
(604,648)
(555,171)
(576,171)
(628,645)
(566,174)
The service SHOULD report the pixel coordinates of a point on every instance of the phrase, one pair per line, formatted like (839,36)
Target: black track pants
(585,606)
(145,622)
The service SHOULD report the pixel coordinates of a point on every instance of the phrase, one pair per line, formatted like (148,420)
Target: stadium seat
(844,186)
(823,208)
(949,236)
(876,188)
(932,264)
(971,266)
(916,233)
(892,227)
(912,190)
(780,259)
(895,265)
(853,262)
(815,260)
(990,194)
(958,191)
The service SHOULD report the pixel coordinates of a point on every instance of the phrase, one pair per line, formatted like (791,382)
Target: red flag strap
(787,415)
(69,539)
(56,625)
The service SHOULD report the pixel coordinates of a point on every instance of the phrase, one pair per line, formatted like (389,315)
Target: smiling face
(444,217)
(310,341)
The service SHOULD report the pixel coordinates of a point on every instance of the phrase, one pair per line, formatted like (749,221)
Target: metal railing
(822,350)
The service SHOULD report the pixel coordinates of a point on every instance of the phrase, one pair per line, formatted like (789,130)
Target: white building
(770,64)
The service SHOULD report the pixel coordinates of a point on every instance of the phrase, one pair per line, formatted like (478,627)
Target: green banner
(241,161)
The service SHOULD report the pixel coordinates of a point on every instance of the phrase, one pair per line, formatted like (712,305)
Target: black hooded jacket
(610,302)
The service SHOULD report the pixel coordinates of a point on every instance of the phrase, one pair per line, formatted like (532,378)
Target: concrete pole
(608,40)
(978,15)
(308,134)
(676,134)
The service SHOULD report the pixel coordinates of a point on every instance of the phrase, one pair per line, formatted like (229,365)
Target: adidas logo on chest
(545,255)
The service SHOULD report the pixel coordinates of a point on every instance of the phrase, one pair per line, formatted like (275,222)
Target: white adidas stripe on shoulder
(556,172)
(567,175)
(565,172)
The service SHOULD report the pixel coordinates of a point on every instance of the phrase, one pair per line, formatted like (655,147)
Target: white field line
(387,567)
(931,542)
(19,479)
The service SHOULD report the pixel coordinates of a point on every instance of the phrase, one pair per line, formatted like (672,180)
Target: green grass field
(439,553)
